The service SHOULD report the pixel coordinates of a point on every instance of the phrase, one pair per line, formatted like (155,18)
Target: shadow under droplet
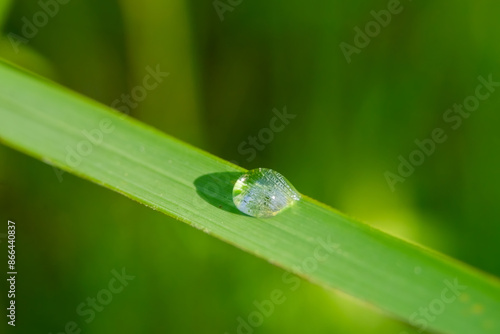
(217,190)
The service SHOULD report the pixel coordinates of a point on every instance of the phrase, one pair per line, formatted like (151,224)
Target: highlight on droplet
(263,192)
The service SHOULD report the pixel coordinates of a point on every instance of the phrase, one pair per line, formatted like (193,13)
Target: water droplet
(263,192)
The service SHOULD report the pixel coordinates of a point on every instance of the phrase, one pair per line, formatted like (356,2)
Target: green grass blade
(427,289)
(4,8)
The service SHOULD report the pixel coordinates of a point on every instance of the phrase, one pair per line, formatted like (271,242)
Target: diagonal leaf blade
(312,240)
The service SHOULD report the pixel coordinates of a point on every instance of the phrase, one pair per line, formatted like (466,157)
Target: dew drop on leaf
(262,192)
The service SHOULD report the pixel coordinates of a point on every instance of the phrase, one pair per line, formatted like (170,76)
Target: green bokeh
(227,79)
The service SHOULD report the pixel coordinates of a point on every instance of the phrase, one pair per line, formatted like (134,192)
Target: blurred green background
(352,121)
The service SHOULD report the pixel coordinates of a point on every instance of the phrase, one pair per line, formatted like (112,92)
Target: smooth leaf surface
(428,289)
